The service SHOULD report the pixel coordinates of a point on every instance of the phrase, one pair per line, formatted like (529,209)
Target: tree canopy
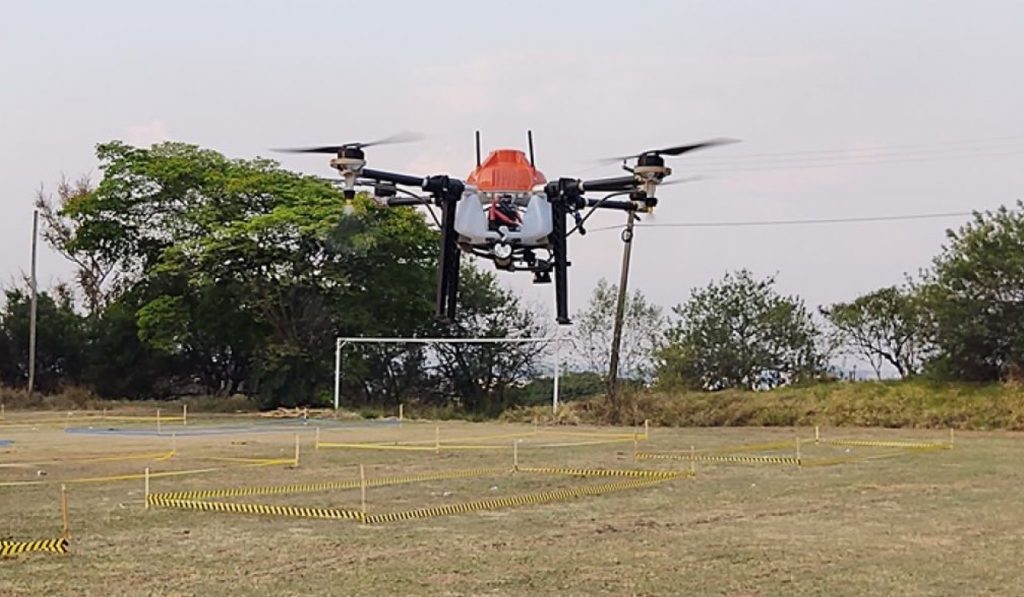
(236,275)
(885,326)
(739,332)
(974,297)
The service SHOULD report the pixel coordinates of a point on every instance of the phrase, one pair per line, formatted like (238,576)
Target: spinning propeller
(673,151)
(405,137)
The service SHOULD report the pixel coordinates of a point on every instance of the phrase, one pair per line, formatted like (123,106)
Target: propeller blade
(681,149)
(673,151)
(322,149)
(403,137)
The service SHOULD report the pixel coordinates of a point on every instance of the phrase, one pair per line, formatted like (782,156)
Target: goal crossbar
(341,342)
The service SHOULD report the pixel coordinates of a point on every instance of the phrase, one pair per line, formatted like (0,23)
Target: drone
(506,210)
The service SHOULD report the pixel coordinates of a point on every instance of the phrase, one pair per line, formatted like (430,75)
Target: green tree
(118,364)
(974,295)
(479,376)
(739,332)
(884,326)
(240,273)
(59,339)
(643,332)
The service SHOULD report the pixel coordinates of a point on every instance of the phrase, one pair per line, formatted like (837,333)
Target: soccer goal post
(341,343)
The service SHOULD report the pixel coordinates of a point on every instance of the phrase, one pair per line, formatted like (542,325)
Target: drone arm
(405,202)
(621,205)
(610,185)
(393,177)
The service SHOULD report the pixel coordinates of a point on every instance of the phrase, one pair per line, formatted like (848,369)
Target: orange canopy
(506,170)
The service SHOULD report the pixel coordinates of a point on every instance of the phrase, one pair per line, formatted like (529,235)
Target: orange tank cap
(506,170)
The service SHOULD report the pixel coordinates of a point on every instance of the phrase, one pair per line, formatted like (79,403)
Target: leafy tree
(975,299)
(480,375)
(242,273)
(643,332)
(59,339)
(118,364)
(740,332)
(884,326)
(96,273)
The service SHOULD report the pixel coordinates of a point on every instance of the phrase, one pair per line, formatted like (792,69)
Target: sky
(844,109)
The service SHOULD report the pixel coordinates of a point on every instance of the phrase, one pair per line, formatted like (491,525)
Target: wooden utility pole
(32,307)
(620,313)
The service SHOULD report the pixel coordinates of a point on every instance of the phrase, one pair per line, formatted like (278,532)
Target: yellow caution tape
(150,456)
(137,476)
(331,485)
(629,436)
(410,448)
(868,457)
(452,440)
(780,445)
(869,443)
(596,442)
(703,457)
(603,472)
(161,501)
(507,502)
(14,548)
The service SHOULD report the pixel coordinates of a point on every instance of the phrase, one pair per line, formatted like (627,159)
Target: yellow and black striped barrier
(869,457)
(703,457)
(161,501)
(603,472)
(765,447)
(513,501)
(871,443)
(15,548)
(198,500)
(330,485)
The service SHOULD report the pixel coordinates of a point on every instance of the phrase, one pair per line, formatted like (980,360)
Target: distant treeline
(198,274)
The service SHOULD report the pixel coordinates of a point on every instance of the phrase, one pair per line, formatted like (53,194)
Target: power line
(866,160)
(963,145)
(750,223)
(857,156)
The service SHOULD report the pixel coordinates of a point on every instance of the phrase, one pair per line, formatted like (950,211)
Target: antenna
(529,140)
(478,149)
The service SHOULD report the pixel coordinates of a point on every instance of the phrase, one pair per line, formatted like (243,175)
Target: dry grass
(947,522)
(912,404)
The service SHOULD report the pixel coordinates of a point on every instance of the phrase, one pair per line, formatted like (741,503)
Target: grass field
(942,522)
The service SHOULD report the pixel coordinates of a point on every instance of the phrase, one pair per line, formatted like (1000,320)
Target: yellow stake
(635,447)
(817,434)
(64,510)
(147,488)
(296,464)
(362,491)
(401,408)
(950,438)
(184,415)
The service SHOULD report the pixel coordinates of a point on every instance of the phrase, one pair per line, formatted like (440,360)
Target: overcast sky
(923,101)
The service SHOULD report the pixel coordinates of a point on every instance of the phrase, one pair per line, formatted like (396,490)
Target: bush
(913,404)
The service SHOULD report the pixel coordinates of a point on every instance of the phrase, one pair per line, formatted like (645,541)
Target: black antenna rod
(529,140)
(478,149)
